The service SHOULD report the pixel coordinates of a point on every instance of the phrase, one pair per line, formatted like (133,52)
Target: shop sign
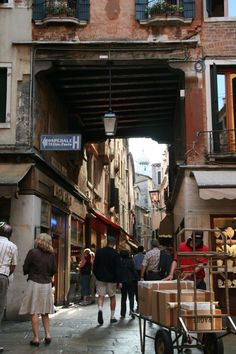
(60,142)
(62,195)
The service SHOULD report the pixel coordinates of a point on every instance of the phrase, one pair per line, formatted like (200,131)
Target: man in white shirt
(8,262)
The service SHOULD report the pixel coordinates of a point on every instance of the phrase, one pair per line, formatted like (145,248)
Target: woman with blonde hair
(40,265)
(85,267)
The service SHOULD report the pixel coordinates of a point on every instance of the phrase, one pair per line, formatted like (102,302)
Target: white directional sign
(60,142)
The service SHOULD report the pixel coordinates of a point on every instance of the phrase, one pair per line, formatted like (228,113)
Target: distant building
(143,166)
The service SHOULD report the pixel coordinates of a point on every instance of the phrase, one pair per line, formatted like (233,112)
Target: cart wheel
(213,344)
(163,342)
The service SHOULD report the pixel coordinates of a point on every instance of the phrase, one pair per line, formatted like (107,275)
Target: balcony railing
(58,9)
(221,141)
(164,8)
(152,9)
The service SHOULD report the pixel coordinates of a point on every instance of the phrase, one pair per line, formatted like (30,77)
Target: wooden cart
(167,339)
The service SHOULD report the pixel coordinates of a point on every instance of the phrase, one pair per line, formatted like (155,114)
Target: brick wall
(219,38)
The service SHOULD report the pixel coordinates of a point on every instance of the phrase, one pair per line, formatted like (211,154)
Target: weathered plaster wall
(15,27)
(112,20)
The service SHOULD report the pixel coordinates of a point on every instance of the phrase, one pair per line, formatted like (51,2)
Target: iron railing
(148,9)
(61,8)
(166,8)
(220,141)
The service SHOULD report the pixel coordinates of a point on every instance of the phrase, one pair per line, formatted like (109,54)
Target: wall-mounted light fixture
(109,118)
(154,195)
(155,199)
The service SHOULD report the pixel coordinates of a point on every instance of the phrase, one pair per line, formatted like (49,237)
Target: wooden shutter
(234,101)
(112,193)
(3,94)
(215,136)
(209,7)
(141,6)
(83,10)
(214,96)
(38,10)
(189,8)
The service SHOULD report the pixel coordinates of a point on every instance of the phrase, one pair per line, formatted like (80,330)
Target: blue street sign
(60,142)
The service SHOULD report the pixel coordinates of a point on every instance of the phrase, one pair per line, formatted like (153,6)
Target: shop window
(223,87)
(57,222)
(45,214)
(221,8)
(227,226)
(5,81)
(76,231)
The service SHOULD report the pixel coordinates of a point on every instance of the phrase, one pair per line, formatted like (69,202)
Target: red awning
(105,220)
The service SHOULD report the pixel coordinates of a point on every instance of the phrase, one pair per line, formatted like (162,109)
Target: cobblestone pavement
(75,331)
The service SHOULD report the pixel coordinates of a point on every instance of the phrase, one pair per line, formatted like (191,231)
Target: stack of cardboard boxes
(158,301)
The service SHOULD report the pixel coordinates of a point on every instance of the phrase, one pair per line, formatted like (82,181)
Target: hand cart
(180,338)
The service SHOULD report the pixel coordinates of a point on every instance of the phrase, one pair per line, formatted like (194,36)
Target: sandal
(47,340)
(35,344)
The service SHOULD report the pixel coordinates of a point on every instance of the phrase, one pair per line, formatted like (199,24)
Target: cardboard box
(161,311)
(145,289)
(203,313)
(202,319)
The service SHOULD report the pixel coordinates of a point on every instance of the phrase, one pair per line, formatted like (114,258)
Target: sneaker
(113,320)
(100,317)
(83,303)
(132,314)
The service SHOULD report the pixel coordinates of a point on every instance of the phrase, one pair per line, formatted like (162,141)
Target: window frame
(6,124)
(208,18)
(209,99)
(7,5)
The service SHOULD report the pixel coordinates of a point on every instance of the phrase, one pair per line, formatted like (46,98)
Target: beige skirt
(38,299)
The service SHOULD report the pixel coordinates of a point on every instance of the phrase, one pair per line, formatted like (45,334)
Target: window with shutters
(61,11)
(223,87)
(5,87)
(220,8)
(175,11)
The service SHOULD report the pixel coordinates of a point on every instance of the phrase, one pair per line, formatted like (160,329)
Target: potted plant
(56,8)
(164,8)
(158,8)
(176,10)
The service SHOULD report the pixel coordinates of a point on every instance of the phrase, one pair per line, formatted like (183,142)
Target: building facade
(167,75)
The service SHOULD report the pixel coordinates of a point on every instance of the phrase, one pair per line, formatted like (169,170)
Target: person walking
(106,269)
(85,267)
(156,263)
(40,265)
(8,262)
(92,277)
(129,279)
(138,260)
(188,263)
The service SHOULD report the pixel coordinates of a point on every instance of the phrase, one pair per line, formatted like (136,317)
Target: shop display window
(225,241)
(76,231)
(57,222)
(45,214)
